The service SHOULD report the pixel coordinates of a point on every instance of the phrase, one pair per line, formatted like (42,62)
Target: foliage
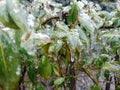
(54,43)
(9,62)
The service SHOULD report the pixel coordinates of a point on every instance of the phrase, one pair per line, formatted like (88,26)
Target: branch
(49,19)
(108,27)
(22,77)
(91,76)
(58,16)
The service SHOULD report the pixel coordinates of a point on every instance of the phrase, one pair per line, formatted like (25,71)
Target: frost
(31,20)
(16,10)
(80,4)
(18,70)
(36,39)
(66,9)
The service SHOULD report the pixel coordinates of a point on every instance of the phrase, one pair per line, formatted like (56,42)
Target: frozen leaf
(73,40)
(55,46)
(82,35)
(59,81)
(9,62)
(62,26)
(98,22)
(86,22)
(112,66)
(36,39)
(5,18)
(17,13)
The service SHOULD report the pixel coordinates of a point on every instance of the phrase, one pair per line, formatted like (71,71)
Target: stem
(72,80)
(22,78)
(108,84)
(70,69)
(3,56)
(91,76)
(64,14)
(116,79)
(61,74)
(4,62)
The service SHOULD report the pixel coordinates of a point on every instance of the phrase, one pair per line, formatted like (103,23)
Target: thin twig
(91,76)
(64,14)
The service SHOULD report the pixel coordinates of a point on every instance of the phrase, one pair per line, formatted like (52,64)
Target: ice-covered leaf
(59,81)
(73,40)
(62,26)
(86,22)
(112,66)
(61,30)
(98,22)
(9,63)
(55,46)
(5,18)
(36,39)
(116,23)
(110,35)
(17,13)
(59,34)
(82,35)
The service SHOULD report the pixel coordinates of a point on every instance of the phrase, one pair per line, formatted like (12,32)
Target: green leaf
(31,74)
(39,88)
(104,57)
(58,88)
(73,14)
(59,81)
(117,87)
(56,70)
(115,43)
(18,35)
(106,74)
(116,23)
(17,13)
(45,68)
(23,51)
(112,66)
(5,18)
(9,63)
(95,87)
(44,49)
